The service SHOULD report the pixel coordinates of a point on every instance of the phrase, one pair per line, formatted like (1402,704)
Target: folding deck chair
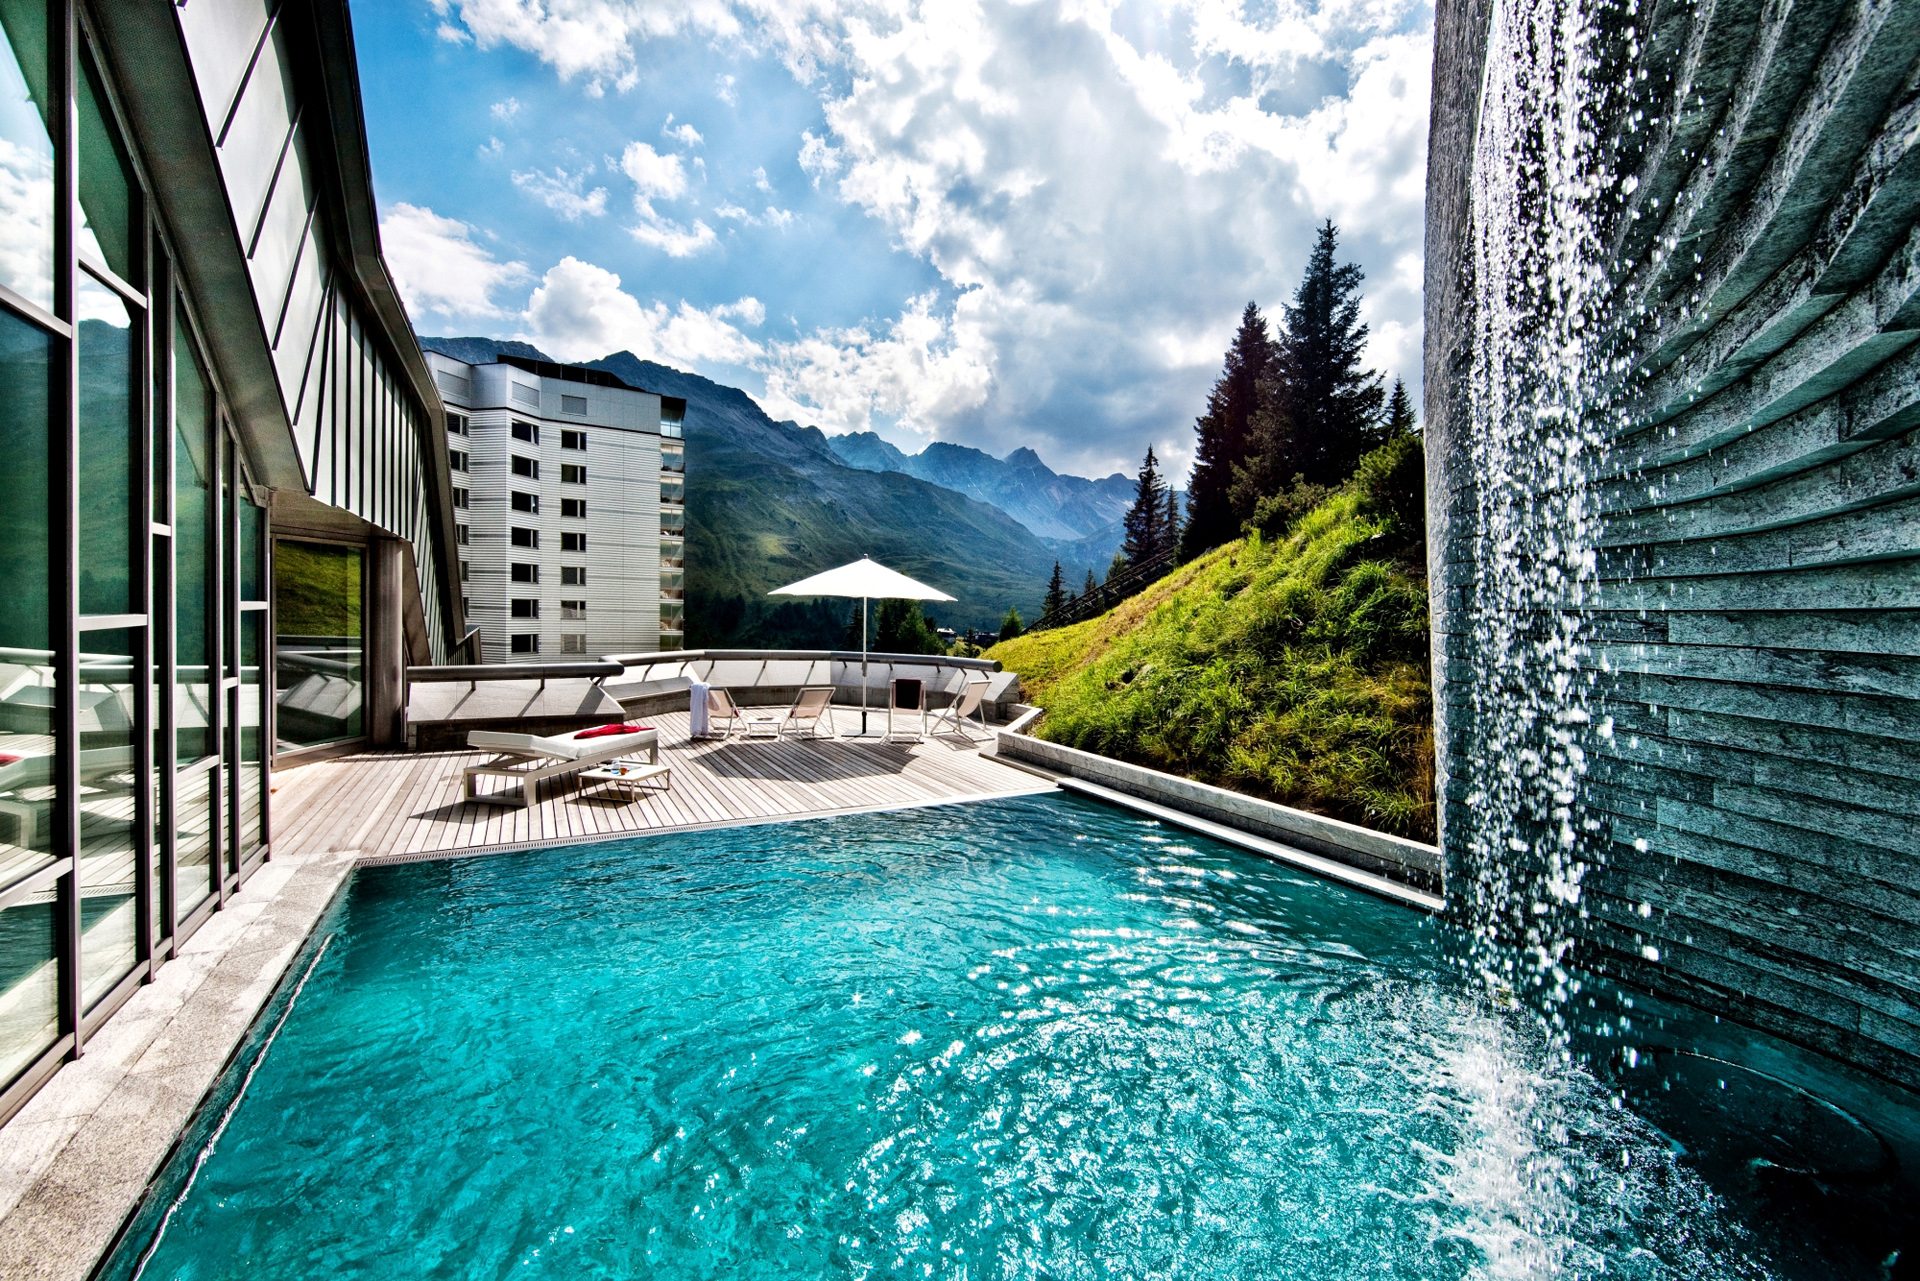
(966,703)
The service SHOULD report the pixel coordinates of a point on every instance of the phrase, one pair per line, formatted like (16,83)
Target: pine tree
(1170,524)
(1011,626)
(1330,404)
(1400,419)
(1056,592)
(1145,521)
(900,628)
(1223,435)
(1117,566)
(1091,586)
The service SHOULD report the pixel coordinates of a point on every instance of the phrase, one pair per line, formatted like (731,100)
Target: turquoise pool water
(1025,1038)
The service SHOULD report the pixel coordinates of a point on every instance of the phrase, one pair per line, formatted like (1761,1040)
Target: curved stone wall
(1748,795)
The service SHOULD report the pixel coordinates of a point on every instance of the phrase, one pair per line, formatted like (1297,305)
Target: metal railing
(1110,593)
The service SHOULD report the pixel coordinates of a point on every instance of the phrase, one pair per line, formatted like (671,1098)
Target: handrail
(471,672)
(657,657)
(1104,596)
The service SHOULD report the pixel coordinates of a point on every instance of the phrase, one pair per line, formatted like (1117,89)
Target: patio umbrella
(868,581)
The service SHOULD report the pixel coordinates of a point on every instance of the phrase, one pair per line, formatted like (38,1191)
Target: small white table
(632,777)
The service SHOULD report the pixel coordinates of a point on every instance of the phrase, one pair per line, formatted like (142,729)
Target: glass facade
(319,655)
(134,581)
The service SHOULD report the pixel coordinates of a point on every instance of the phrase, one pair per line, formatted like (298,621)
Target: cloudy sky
(1000,224)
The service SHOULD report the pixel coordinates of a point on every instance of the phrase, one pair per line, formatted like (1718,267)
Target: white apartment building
(569,493)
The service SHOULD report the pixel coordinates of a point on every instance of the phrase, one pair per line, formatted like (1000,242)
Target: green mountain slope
(1293,668)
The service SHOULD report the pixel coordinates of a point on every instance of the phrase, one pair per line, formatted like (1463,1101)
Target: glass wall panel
(107,454)
(29,984)
(249,719)
(107,209)
(317,645)
(27,673)
(193,548)
(26,155)
(193,824)
(105,705)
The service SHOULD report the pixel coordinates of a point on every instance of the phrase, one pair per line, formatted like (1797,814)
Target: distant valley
(769,502)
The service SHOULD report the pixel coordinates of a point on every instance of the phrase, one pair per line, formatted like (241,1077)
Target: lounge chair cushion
(604,731)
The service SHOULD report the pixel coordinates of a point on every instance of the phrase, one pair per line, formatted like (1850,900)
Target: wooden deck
(394,807)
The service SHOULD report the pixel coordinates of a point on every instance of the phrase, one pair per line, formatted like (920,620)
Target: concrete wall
(1757,635)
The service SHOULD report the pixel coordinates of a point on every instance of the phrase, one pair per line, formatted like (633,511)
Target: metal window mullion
(162,611)
(217,661)
(141,519)
(63,602)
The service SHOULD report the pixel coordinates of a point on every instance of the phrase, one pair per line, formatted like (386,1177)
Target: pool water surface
(1021,1038)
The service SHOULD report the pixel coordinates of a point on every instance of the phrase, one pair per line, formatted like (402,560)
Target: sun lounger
(968,703)
(531,758)
(720,708)
(813,706)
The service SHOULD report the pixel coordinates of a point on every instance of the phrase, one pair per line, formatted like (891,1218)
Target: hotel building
(569,493)
(229,525)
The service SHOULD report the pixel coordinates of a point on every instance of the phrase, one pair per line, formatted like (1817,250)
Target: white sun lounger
(530,758)
(967,704)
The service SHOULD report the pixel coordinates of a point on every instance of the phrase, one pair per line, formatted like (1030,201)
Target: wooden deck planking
(389,804)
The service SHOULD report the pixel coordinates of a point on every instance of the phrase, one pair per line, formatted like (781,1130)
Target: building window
(460,535)
(575,508)
(573,575)
(525,608)
(456,460)
(526,395)
(573,609)
(528,467)
(526,573)
(459,496)
(573,440)
(466,606)
(525,642)
(573,542)
(523,538)
(466,572)
(573,644)
(527,432)
(573,405)
(572,474)
(529,503)
(457,424)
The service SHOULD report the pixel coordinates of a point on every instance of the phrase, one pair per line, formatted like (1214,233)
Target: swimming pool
(1033,1037)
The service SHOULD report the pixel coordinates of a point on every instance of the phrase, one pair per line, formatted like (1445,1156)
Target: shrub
(1392,484)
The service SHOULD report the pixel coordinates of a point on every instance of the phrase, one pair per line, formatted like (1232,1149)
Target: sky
(998,224)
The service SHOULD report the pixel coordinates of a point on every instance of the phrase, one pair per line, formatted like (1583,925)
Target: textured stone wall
(1757,636)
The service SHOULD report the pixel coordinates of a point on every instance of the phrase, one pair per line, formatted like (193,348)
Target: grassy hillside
(1293,668)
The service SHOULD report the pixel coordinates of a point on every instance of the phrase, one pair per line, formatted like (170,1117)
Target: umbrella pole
(863,667)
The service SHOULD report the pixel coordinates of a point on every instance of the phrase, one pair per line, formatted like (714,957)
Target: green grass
(1294,669)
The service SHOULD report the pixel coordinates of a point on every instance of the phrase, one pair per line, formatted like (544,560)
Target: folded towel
(603,731)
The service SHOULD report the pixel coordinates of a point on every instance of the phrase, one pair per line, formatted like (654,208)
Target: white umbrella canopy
(865,579)
(869,581)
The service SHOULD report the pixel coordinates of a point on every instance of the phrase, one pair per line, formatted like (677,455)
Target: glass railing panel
(107,801)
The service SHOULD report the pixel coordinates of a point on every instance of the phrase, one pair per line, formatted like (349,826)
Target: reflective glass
(107,455)
(106,186)
(29,983)
(26,154)
(192,548)
(317,645)
(193,822)
(248,717)
(27,674)
(105,706)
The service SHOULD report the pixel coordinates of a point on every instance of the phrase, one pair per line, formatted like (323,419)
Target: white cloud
(491,149)
(760,179)
(683,133)
(673,239)
(579,312)
(817,158)
(561,192)
(438,267)
(772,216)
(593,40)
(657,176)
(506,110)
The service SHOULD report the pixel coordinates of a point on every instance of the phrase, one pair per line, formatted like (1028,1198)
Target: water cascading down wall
(1673,420)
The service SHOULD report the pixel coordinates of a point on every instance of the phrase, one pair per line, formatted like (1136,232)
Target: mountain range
(770,502)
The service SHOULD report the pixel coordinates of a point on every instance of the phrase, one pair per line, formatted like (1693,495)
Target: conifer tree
(1400,419)
(1091,586)
(1145,521)
(1223,435)
(1171,525)
(1056,592)
(1330,404)
(1011,626)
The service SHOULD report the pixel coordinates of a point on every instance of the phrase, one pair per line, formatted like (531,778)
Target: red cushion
(603,731)
(8,758)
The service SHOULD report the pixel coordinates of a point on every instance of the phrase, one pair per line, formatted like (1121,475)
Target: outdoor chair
(967,703)
(812,706)
(906,694)
(530,758)
(720,708)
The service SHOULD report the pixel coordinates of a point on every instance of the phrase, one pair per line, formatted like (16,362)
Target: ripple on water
(1019,1038)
